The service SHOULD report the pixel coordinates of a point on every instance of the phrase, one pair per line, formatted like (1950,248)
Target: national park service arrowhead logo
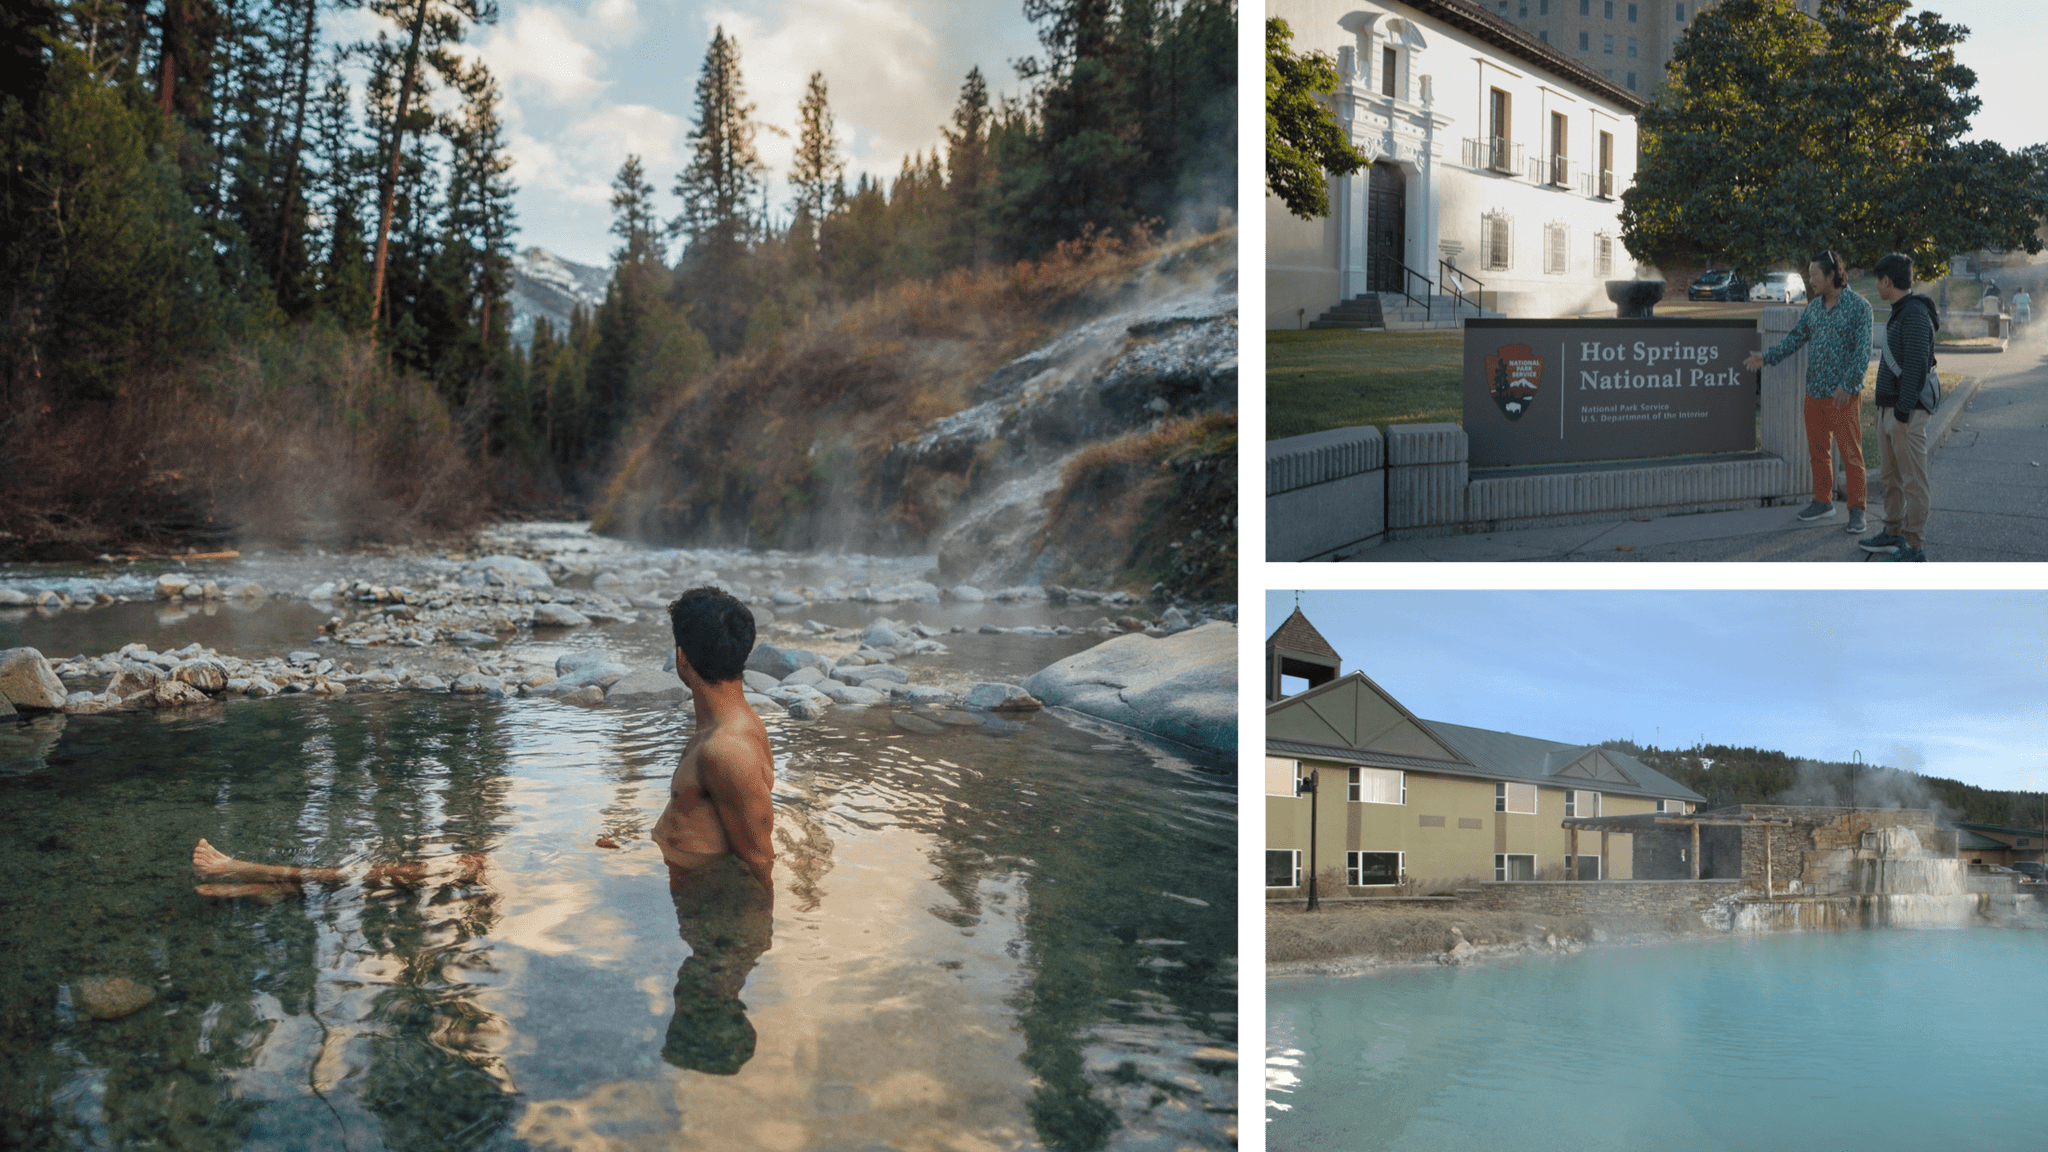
(1513,374)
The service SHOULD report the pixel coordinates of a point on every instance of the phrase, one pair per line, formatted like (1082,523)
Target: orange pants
(1823,420)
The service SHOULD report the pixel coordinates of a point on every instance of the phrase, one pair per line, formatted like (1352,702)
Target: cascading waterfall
(1903,885)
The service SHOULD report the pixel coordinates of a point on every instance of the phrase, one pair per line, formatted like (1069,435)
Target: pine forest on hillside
(254,281)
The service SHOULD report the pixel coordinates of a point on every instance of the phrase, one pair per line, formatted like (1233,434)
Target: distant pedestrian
(1837,325)
(1907,392)
(2022,305)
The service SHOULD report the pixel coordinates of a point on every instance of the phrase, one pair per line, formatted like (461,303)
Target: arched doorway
(1386,214)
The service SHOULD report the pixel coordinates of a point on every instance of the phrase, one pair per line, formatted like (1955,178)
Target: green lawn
(1338,379)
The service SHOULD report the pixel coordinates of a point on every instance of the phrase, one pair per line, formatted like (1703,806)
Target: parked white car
(1783,287)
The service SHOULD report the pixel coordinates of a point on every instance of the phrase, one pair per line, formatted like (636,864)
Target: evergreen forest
(254,279)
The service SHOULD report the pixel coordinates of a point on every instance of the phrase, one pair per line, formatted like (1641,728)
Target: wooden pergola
(1648,820)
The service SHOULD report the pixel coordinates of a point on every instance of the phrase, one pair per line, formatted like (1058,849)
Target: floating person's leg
(222,875)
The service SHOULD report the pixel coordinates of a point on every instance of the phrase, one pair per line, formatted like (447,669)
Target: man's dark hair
(1897,268)
(715,632)
(1830,262)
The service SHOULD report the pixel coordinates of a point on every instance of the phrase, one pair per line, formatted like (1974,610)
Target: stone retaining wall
(1642,900)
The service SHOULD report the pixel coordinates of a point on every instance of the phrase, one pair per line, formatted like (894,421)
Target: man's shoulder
(735,747)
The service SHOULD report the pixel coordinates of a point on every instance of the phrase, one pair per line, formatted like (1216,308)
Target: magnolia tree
(1778,134)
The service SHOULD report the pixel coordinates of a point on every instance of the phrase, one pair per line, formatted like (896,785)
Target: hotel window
(1544,35)
(1631,51)
(1378,786)
(1606,254)
(1631,13)
(1543,8)
(1606,165)
(1585,7)
(1585,42)
(1607,45)
(1390,65)
(1609,9)
(1282,777)
(1367,869)
(1283,868)
(1514,798)
(1524,13)
(1500,155)
(1681,13)
(1556,250)
(1514,866)
(1560,127)
(1503,7)
(1671,807)
(1581,804)
(1497,231)
(1631,81)
(1589,867)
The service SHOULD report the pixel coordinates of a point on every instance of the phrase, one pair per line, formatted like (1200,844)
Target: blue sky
(1947,683)
(588,81)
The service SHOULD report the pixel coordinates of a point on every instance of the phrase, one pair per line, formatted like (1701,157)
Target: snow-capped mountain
(544,284)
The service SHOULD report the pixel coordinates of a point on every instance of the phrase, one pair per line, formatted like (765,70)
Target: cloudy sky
(1946,683)
(588,81)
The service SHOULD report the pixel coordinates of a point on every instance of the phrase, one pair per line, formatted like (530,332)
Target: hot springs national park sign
(1552,391)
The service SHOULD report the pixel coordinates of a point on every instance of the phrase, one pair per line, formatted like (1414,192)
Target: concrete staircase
(1393,312)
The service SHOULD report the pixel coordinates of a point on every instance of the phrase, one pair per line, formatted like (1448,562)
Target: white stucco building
(1494,153)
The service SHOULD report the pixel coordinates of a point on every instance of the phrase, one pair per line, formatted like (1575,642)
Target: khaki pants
(1902,463)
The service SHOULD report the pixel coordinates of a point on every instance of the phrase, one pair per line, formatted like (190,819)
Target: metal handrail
(1453,276)
(1406,272)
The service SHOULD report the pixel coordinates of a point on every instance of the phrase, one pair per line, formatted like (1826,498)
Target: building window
(1607,165)
(1514,798)
(1501,158)
(1671,807)
(1589,867)
(1607,45)
(1556,249)
(1559,132)
(1631,13)
(1608,9)
(1511,866)
(1543,7)
(1497,232)
(1631,51)
(1606,254)
(1371,869)
(1503,7)
(1585,42)
(1585,7)
(1544,35)
(1283,777)
(1390,66)
(1283,868)
(1581,804)
(1631,81)
(1378,786)
(1524,13)
(1681,13)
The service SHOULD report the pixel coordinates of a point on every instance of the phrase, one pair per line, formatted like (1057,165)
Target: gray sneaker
(1856,525)
(1906,553)
(1882,542)
(1818,510)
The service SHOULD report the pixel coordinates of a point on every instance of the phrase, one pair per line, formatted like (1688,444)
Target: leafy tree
(1779,134)
(1303,138)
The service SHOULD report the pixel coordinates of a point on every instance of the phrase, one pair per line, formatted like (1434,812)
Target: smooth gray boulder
(759,681)
(1181,687)
(995,697)
(780,662)
(881,634)
(509,570)
(600,674)
(806,709)
(647,686)
(804,675)
(478,684)
(862,675)
(851,696)
(558,616)
(27,681)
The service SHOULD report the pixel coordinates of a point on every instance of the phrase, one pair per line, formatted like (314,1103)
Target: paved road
(1989,485)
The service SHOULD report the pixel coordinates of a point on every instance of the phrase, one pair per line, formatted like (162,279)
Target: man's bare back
(719,798)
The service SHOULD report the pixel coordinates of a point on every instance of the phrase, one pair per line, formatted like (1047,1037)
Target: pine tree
(818,166)
(719,188)
(968,174)
(634,219)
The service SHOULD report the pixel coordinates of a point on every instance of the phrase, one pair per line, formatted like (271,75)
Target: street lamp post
(1857,763)
(1308,784)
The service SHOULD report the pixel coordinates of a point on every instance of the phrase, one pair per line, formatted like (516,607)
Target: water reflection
(1014,938)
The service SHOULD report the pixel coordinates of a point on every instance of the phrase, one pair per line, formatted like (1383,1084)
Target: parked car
(1719,284)
(1784,287)
(2031,869)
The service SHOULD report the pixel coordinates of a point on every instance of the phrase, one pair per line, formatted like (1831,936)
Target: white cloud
(578,164)
(540,48)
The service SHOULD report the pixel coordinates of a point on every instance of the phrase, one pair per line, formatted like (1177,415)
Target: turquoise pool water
(1854,1040)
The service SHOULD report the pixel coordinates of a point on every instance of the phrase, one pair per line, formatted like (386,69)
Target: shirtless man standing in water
(715,834)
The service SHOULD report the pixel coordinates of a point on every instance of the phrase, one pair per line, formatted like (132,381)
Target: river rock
(205,675)
(587,696)
(321,593)
(780,662)
(110,997)
(1174,620)
(759,681)
(918,694)
(881,635)
(28,682)
(760,703)
(428,682)
(558,616)
(994,697)
(175,694)
(171,584)
(968,594)
(863,674)
(647,686)
(15,598)
(787,599)
(917,724)
(134,680)
(806,709)
(606,582)
(504,570)
(805,675)
(1182,687)
(478,684)
(600,674)
(849,695)
(468,637)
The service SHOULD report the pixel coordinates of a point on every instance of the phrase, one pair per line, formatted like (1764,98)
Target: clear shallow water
(1877,1039)
(981,939)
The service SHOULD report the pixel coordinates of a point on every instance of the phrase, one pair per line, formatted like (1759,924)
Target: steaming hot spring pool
(982,938)
(1875,1039)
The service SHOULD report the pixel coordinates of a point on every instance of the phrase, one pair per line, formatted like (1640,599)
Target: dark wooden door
(1386,216)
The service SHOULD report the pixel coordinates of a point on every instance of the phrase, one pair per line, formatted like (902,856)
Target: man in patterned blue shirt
(1836,324)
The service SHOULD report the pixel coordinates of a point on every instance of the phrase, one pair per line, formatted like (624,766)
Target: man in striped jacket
(1907,393)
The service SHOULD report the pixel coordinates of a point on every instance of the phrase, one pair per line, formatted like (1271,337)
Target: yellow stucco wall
(1433,854)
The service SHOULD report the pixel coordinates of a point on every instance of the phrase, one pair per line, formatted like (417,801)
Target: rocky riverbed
(547,611)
